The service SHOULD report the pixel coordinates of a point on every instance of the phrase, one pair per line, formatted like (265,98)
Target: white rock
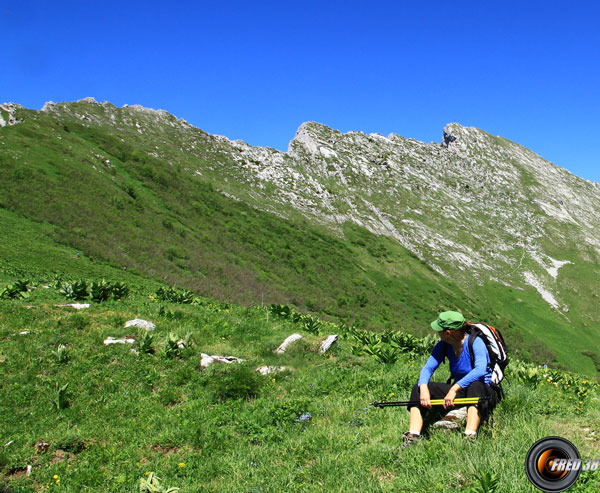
(457,414)
(77,306)
(327,343)
(450,420)
(266,370)
(111,340)
(142,324)
(209,360)
(206,360)
(450,425)
(284,345)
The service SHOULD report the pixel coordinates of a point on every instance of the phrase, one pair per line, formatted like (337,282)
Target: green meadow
(132,417)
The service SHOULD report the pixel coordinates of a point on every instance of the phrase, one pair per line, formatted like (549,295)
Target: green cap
(448,321)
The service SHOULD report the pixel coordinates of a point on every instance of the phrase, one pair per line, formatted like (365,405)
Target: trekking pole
(434,402)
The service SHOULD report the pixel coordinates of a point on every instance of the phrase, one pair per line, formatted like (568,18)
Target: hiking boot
(409,439)
(469,437)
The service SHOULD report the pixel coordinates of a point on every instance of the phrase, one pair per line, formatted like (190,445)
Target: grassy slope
(160,221)
(129,415)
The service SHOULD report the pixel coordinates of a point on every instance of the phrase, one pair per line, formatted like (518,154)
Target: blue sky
(528,71)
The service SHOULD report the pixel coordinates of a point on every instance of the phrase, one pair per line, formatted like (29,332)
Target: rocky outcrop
(474,207)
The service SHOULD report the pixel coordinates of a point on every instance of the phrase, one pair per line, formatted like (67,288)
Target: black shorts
(439,391)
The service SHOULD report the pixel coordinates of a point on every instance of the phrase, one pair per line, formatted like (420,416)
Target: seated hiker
(471,378)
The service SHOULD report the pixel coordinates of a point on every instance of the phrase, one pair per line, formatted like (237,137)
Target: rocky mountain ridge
(474,207)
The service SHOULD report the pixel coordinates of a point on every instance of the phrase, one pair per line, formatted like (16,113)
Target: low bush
(237,381)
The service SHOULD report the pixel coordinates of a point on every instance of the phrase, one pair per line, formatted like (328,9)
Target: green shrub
(145,343)
(175,347)
(238,381)
(488,483)
(101,291)
(75,290)
(120,291)
(70,443)
(11,292)
(171,294)
(151,484)
(61,354)
(311,324)
(21,285)
(61,400)
(57,282)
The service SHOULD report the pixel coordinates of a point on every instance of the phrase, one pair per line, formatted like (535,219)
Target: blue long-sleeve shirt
(462,372)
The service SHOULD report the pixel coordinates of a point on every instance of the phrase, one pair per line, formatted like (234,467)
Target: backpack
(494,342)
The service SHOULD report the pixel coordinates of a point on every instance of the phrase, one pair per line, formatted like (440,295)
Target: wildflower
(181,465)
(55,476)
(305,417)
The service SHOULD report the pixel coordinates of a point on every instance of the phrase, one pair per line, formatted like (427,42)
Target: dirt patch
(164,450)
(16,473)
(382,475)
(61,456)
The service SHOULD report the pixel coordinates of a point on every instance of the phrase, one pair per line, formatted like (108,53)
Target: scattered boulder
(444,423)
(452,419)
(206,360)
(215,358)
(266,370)
(284,345)
(142,324)
(77,306)
(327,343)
(111,340)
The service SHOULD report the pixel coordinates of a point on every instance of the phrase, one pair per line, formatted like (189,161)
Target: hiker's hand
(425,397)
(449,399)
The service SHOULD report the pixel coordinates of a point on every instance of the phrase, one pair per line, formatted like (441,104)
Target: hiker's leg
(436,391)
(473,419)
(476,389)
(415,423)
